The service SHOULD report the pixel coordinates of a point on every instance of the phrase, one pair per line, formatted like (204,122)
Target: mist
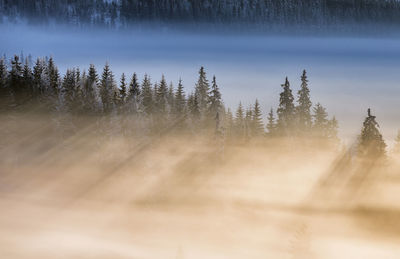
(347,74)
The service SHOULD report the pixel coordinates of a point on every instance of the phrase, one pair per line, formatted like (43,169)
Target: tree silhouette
(371,143)
(285,110)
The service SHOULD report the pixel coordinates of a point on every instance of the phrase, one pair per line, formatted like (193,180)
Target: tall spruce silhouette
(286,110)
(201,91)
(214,100)
(257,122)
(371,143)
(271,125)
(303,110)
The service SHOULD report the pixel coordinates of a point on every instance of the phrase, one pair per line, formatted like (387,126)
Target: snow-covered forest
(317,14)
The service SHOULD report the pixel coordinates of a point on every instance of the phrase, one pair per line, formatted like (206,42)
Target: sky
(347,74)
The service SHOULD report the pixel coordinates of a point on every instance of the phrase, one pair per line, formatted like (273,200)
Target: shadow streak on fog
(179,196)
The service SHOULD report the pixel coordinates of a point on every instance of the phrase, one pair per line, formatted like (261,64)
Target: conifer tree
(180,100)
(107,89)
(201,91)
(27,76)
(215,100)
(171,98)
(333,126)
(229,122)
(4,92)
(122,89)
(147,95)
(133,95)
(161,96)
(371,143)
(285,110)
(53,76)
(320,126)
(303,110)
(37,78)
(239,120)
(90,89)
(257,123)
(194,107)
(3,73)
(271,125)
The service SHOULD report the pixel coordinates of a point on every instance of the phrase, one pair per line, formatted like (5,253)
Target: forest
(139,107)
(316,14)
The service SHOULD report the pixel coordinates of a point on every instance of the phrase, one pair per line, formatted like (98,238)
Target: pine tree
(133,96)
(180,100)
(122,89)
(107,89)
(271,125)
(53,76)
(371,143)
(229,122)
(333,126)
(37,78)
(257,123)
(4,92)
(147,96)
(161,96)
(303,110)
(320,126)
(285,110)
(201,91)
(215,100)
(90,89)
(194,107)
(239,120)
(16,83)
(171,98)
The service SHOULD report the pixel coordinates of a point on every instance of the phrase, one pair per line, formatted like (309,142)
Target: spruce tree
(147,96)
(286,110)
(320,126)
(90,89)
(161,96)
(171,98)
(201,91)
(271,125)
(53,76)
(371,143)
(107,89)
(303,110)
(122,89)
(215,100)
(239,120)
(333,126)
(257,123)
(133,96)
(194,107)
(180,100)
(4,92)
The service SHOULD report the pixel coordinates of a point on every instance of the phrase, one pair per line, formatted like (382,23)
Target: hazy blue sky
(347,75)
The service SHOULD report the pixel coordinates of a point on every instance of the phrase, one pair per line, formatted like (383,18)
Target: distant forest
(142,108)
(267,13)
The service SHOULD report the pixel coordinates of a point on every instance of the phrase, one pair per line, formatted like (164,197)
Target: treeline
(141,106)
(123,13)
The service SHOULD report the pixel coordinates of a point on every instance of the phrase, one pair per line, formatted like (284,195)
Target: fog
(88,196)
(94,193)
(347,75)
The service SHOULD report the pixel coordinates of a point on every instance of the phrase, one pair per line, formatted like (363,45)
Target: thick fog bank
(346,74)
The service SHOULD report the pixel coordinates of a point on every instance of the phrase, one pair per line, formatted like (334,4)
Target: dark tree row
(156,106)
(318,13)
